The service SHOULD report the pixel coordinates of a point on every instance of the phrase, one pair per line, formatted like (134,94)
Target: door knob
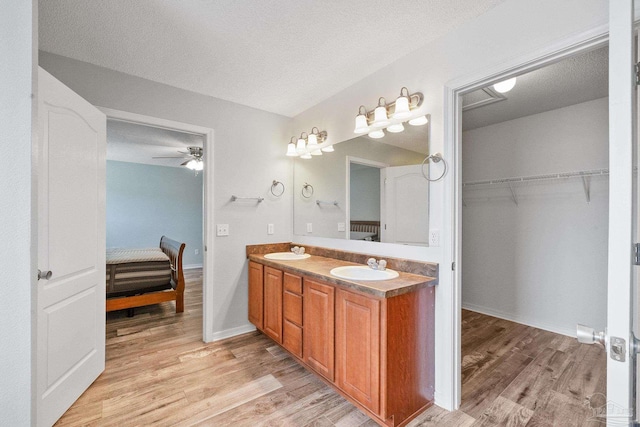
(46,275)
(587,335)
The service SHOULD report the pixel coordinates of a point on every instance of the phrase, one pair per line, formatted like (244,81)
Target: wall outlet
(222,230)
(197,251)
(270,229)
(341,226)
(309,227)
(434,237)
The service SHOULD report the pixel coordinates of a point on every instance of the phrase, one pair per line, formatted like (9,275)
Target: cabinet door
(318,320)
(273,303)
(256,294)
(358,348)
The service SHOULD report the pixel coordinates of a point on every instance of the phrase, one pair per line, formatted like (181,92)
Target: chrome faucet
(298,250)
(377,265)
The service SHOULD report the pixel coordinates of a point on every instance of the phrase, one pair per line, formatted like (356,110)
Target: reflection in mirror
(380,190)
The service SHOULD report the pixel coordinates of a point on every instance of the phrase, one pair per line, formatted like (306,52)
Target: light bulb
(505,86)
(378,133)
(199,165)
(395,128)
(419,121)
(191,164)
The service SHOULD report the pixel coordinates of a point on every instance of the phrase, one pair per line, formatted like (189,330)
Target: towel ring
(437,157)
(274,185)
(306,193)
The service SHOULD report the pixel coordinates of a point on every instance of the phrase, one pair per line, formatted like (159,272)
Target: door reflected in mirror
(379,187)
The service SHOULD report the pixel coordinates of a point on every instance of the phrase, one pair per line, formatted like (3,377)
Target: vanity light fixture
(390,116)
(380,117)
(505,86)
(328,149)
(308,144)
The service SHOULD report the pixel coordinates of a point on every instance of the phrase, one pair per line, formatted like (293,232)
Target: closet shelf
(513,182)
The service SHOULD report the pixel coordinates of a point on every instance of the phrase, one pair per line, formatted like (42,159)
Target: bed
(365,230)
(139,277)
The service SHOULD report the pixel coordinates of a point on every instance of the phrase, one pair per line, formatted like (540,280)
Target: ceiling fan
(193,156)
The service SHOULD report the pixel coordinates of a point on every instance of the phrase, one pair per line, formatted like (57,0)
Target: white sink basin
(363,272)
(286,256)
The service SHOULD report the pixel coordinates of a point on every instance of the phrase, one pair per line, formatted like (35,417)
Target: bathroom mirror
(367,189)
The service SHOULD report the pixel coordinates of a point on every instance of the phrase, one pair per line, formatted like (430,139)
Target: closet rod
(554,176)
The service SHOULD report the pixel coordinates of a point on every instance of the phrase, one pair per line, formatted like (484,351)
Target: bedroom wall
(145,202)
(544,262)
(18,33)
(516,30)
(365,193)
(248,155)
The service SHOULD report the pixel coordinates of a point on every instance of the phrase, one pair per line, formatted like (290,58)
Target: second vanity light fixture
(390,116)
(308,144)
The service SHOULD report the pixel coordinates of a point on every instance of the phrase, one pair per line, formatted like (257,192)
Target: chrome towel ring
(307,190)
(437,157)
(275,185)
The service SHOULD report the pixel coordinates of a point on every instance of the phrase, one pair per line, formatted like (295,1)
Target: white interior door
(620,311)
(405,214)
(71,245)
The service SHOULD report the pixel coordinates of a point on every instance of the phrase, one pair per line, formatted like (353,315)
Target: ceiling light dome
(505,86)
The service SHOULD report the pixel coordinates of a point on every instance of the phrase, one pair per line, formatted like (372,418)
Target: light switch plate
(309,227)
(222,230)
(270,228)
(341,226)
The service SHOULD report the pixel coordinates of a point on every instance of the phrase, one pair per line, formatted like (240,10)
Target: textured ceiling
(134,143)
(581,78)
(283,56)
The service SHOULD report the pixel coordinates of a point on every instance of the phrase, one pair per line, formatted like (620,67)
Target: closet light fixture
(390,116)
(505,86)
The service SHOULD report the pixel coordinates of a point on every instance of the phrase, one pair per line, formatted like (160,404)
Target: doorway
(207,198)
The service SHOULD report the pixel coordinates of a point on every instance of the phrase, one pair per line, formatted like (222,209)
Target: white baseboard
(191,266)
(228,333)
(570,332)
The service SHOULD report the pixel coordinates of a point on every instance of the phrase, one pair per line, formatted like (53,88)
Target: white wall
(145,202)
(544,262)
(248,155)
(509,35)
(17,70)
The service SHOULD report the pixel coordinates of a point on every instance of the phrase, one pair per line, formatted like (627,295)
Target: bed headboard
(366,226)
(174,251)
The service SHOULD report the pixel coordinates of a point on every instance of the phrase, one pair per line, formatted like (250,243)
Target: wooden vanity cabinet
(318,320)
(273,303)
(292,314)
(357,331)
(256,295)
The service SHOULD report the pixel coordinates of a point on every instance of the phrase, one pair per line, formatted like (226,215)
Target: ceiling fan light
(505,86)
(378,133)
(419,121)
(199,165)
(191,164)
(395,128)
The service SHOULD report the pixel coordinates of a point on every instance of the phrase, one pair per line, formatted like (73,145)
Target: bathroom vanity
(371,340)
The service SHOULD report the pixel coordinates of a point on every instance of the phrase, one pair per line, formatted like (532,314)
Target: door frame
(207,202)
(452,150)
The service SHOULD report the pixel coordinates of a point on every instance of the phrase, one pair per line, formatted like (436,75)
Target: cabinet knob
(46,275)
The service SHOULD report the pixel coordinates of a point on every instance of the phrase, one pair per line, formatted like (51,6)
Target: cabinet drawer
(293,283)
(292,338)
(292,307)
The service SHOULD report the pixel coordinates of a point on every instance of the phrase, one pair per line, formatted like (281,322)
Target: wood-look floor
(159,372)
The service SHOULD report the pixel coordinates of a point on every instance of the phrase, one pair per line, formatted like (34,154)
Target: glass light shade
(312,143)
(419,121)
(301,147)
(380,117)
(402,108)
(395,128)
(505,86)
(328,149)
(378,133)
(317,152)
(306,156)
(361,124)
(191,165)
(199,165)
(291,150)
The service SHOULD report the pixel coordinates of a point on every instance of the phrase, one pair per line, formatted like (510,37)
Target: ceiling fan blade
(169,157)
(185,163)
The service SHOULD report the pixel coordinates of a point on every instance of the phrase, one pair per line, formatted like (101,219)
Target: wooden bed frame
(174,251)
